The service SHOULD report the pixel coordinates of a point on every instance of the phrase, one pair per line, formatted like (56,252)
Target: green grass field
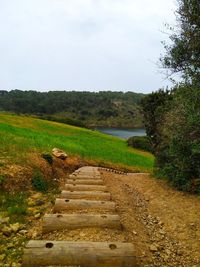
(21,135)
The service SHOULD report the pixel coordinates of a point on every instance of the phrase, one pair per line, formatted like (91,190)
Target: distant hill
(106,108)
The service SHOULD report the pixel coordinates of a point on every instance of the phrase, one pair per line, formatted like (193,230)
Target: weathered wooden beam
(84,254)
(52,222)
(81,176)
(71,187)
(85,181)
(74,204)
(85,195)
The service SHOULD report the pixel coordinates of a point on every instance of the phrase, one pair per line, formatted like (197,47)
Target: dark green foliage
(38,182)
(183,55)
(173,122)
(140,142)
(154,107)
(15,204)
(181,140)
(62,119)
(48,158)
(111,109)
(2,179)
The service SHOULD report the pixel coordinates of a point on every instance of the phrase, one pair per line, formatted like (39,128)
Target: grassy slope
(20,134)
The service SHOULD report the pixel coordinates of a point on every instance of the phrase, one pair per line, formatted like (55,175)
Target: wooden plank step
(90,254)
(71,187)
(85,181)
(52,222)
(74,204)
(85,195)
(71,176)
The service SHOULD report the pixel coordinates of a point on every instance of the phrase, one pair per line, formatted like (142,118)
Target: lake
(122,133)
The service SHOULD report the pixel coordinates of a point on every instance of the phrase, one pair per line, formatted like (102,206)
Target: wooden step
(76,204)
(85,195)
(85,181)
(90,254)
(79,176)
(71,187)
(54,222)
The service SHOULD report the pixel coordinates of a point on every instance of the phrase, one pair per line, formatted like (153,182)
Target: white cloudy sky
(82,44)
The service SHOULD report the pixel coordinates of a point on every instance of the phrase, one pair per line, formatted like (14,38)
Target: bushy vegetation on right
(140,142)
(172,117)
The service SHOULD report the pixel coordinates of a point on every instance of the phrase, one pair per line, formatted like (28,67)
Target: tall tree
(183,55)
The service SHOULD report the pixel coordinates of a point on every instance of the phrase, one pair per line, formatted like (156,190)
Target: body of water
(123,133)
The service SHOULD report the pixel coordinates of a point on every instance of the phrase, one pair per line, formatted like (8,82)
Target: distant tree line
(172,117)
(80,108)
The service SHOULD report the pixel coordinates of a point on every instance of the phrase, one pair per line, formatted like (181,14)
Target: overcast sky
(83,44)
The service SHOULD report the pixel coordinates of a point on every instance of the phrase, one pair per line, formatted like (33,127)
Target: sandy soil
(164,224)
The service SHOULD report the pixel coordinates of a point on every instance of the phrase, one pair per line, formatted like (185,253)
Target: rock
(15,227)
(58,153)
(37,215)
(23,232)
(4,220)
(14,264)
(2,257)
(6,230)
(135,233)
(34,234)
(39,202)
(153,248)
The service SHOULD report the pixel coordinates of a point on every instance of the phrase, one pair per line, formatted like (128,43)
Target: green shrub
(14,204)
(178,151)
(48,158)
(2,179)
(38,182)
(140,142)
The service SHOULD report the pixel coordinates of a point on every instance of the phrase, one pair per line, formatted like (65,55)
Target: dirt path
(163,224)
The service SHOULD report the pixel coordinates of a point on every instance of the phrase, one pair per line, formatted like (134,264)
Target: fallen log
(52,222)
(84,254)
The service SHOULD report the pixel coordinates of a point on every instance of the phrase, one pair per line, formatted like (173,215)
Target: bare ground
(164,224)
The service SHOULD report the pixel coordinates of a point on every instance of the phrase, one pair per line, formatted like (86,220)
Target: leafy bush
(48,158)
(38,182)
(2,179)
(179,148)
(15,204)
(140,142)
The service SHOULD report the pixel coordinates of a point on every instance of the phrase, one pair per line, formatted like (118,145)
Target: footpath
(83,211)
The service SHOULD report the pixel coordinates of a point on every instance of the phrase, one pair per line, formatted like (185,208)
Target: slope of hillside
(106,109)
(21,135)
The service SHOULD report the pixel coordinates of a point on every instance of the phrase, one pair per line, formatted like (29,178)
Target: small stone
(153,248)
(135,233)
(14,264)
(34,235)
(23,232)
(162,232)
(4,220)
(10,245)
(2,257)
(15,227)
(39,202)
(82,235)
(37,215)
(6,230)
(58,153)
